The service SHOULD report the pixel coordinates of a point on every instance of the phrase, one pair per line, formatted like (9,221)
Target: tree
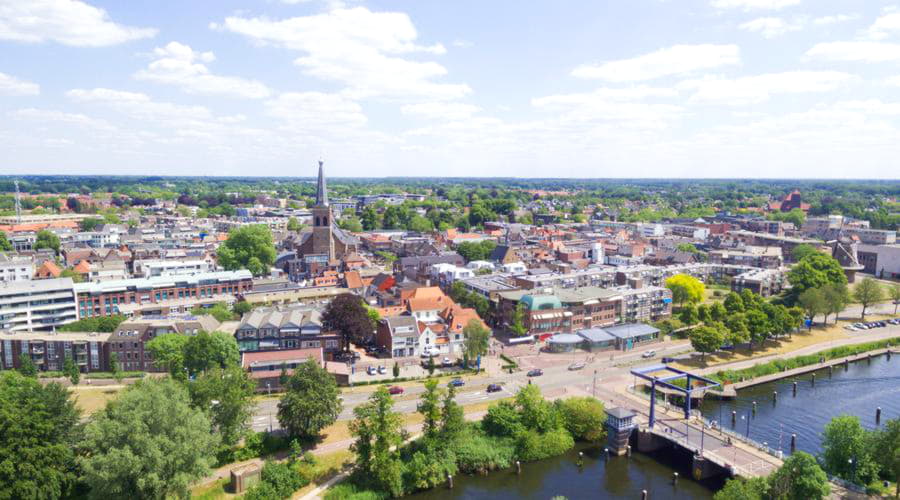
(5,245)
(167,352)
(758,325)
(815,271)
(706,339)
(452,416)
(420,224)
(150,444)
(846,452)
(311,401)
(734,303)
(802,250)
(90,224)
(584,418)
(894,293)
(703,313)
(685,288)
(248,247)
(867,292)
(41,430)
(812,302)
(27,366)
(70,369)
(717,312)
(369,219)
(688,315)
(241,308)
(518,320)
(799,478)
(835,298)
(738,329)
(886,451)
(46,239)
(71,274)
(378,430)
(430,408)
(471,250)
(744,489)
(207,350)
(351,224)
(283,377)
(226,396)
(219,310)
(347,315)
(114,367)
(477,338)
(430,365)
(686,247)
(396,370)
(294,225)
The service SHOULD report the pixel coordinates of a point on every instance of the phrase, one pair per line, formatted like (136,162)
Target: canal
(858,390)
(619,478)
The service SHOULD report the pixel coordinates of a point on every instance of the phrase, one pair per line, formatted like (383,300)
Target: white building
(514,267)
(15,268)
(37,305)
(174,267)
(449,273)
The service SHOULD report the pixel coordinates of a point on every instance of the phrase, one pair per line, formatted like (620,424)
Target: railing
(764,447)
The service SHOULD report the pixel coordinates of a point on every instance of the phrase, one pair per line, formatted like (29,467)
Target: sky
(462,88)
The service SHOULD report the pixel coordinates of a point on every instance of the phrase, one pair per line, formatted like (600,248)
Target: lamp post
(852,463)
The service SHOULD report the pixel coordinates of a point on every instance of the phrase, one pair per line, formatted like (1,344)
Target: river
(857,390)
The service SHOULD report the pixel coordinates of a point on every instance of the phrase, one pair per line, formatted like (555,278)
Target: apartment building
(48,351)
(765,282)
(104,298)
(37,305)
(130,338)
(15,268)
(265,329)
(174,267)
(645,304)
(562,309)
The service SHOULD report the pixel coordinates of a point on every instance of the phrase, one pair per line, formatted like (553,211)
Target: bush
(283,478)
(584,418)
(256,444)
(533,446)
(503,419)
(262,491)
(347,490)
(476,452)
(428,468)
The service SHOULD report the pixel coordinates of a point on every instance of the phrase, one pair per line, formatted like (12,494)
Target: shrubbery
(532,445)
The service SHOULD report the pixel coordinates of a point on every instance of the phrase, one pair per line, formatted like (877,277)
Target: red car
(395,390)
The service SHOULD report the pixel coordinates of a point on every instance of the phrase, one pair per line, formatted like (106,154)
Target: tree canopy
(226,396)
(815,271)
(208,350)
(348,315)
(248,247)
(685,289)
(311,401)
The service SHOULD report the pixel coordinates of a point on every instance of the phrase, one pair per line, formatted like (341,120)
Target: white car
(447,361)
(382,370)
(371,370)
(648,354)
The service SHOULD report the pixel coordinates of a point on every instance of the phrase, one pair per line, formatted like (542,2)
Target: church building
(327,242)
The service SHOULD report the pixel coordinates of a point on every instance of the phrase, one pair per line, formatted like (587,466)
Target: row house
(291,328)
(104,298)
(48,351)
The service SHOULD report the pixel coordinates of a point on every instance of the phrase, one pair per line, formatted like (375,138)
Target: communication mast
(18,204)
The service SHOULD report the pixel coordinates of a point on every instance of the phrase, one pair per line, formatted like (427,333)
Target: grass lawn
(326,467)
(92,399)
(211,491)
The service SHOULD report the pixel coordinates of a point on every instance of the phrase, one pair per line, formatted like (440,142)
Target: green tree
(283,377)
(744,489)
(452,416)
(248,247)
(115,367)
(241,308)
(734,303)
(71,370)
(378,431)
(347,315)
(207,350)
(72,275)
(706,339)
(369,219)
(584,418)
(894,294)
(717,312)
(41,430)
(685,289)
(294,225)
(471,250)
(799,478)
(351,224)
(815,271)
(46,239)
(518,320)
(311,401)
(802,250)
(90,224)
(477,338)
(867,292)
(430,408)
(759,326)
(219,310)
(812,301)
(844,439)
(396,370)
(5,245)
(150,444)
(226,396)
(703,313)
(835,297)
(688,315)
(537,414)
(420,224)
(886,451)
(738,329)
(430,366)
(27,366)
(167,352)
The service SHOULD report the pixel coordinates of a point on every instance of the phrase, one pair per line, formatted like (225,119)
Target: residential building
(265,367)
(560,310)
(174,267)
(48,351)
(130,338)
(764,257)
(765,282)
(37,305)
(265,329)
(15,268)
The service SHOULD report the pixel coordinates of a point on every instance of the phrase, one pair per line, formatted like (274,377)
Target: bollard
(814,380)
(877,415)
(774,396)
(795,389)
(605,453)
(674,478)
(518,467)
(889,354)
(754,407)
(734,414)
(628,450)
(580,459)
(793,442)
(846,364)
(450,478)
(644,495)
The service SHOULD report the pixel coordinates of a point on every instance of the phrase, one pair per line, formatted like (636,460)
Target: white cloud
(180,65)
(69,22)
(440,110)
(885,25)
(755,89)
(771,27)
(316,111)
(357,48)
(863,51)
(754,4)
(10,85)
(835,19)
(47,115)
(675,60)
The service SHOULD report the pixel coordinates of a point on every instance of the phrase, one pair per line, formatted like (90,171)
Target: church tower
(323,241)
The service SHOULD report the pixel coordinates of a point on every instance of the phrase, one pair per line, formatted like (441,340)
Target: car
(382,370)
(395,389)
(648,354)
(860,326)
(882,324)
(851,328)
(895,321)
(577,365)
(494,388)
(457,382)
(371,370)
(447,361)
(537,372)
(668,360)
(426,353)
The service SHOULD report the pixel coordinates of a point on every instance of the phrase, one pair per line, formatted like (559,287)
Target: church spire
(321,189)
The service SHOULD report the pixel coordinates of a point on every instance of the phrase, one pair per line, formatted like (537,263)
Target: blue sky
(636,88)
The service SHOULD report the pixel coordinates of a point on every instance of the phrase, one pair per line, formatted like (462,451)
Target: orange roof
(353,280)
(387,312)
(428,303)
(49,268)
(37,226)
(427,292)
(83,267)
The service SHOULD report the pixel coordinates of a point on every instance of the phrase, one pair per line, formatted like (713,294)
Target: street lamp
(852,463)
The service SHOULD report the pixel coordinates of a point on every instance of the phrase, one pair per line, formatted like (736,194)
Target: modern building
(560,310)
(48,351)
(15,268)
(765,282)
(37,305)
(882,261)
(174,267)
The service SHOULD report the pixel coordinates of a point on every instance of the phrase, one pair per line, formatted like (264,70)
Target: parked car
(648,354)
(668,360)
(457,382)
(494,388)
(577,365)
(537,372)
(851,328)
(382,370)
(426,353)
(395,389)
(371,370)
(860,326)
(447,362)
